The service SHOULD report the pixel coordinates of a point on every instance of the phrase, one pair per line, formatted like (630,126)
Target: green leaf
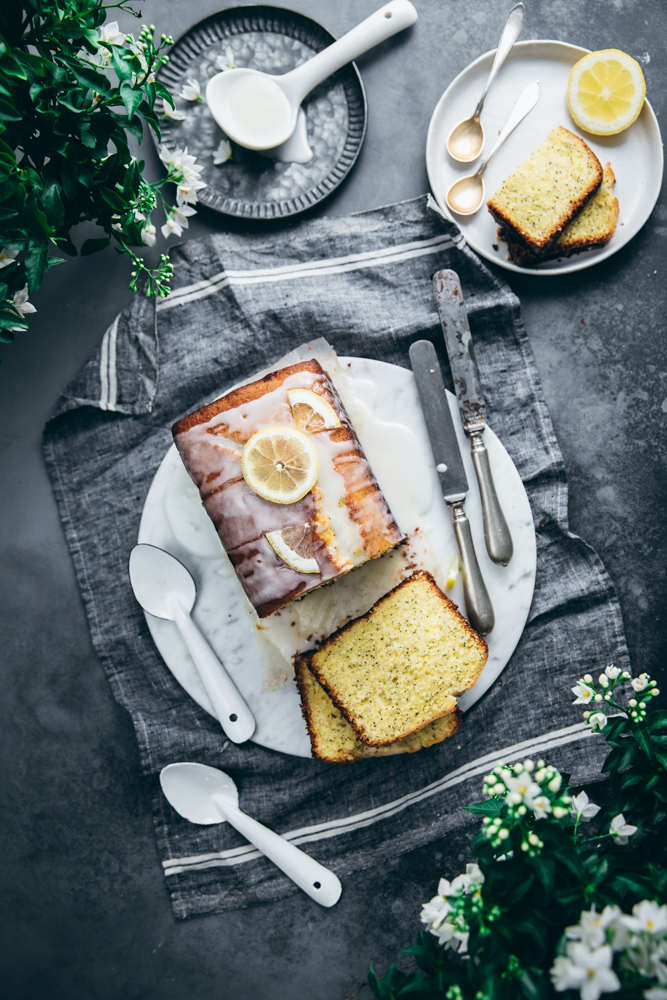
(123,71)
(490,808)
(131,98)
(53,205)
(36,219)
(36,265)
(8,111)
(150,116)
(161,91)
(88,77)
(92,246)
(113,199)
(546,870)
(656,720)
(643,741)
(87,139)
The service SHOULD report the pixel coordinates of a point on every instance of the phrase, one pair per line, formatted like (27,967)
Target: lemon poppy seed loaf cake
(542,196)
(593,227)
(402,665)
(282,475)
(333,739)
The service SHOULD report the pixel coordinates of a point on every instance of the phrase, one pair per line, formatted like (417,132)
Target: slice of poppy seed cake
(544,194)
(402,665)
(593,227)
(333,739)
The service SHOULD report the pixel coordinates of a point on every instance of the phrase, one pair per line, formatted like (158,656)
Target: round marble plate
(391,428)
(274,40)
(635,155)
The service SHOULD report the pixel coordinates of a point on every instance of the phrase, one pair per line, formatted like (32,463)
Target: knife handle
(478,602)
(496,531)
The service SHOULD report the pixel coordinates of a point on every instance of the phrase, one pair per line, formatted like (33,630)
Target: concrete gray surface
(84,910)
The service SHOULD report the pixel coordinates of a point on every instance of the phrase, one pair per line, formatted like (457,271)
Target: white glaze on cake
(350,518)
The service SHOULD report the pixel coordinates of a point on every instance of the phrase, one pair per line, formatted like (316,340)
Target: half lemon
(606,92)
(311,412)
(280,464)
(295,547)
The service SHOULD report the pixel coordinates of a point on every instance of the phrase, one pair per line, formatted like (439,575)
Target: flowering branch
(545,909)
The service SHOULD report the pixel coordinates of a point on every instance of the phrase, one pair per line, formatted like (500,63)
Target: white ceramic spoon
(165,589)
(259,111)
(206,795)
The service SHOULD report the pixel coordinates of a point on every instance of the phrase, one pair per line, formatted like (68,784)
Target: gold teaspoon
(466,195)
(466,140)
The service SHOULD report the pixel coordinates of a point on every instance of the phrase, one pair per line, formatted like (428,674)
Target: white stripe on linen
(307,269)
(108,385)
(334,828)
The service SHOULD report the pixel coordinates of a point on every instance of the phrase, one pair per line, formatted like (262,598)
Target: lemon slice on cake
(311,412)
(280,464)
(295,547)
(606,92)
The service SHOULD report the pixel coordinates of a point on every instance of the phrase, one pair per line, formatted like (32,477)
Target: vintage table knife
(456,330)
(449,465)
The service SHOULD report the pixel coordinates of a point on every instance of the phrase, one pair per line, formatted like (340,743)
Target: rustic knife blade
(439,423)
(458,341)
(453,479)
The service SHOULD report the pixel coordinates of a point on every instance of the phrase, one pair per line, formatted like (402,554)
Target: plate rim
(469,698)
(254,210)
(582,262)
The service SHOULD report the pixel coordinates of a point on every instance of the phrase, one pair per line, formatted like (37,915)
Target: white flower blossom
(7,257)
(173,113)
(111,34)
(226,61)
(640,683)
(540,806)
(598,720)
(620,830)
(20,302)
(612,672)
(588,971)
(592,926)
(190,91)
(521,789)
(222,153)
(178,221)
(183,169)
(584,693)
(148,235)
(581,806)
(436,910)
(655,993)
(647,917)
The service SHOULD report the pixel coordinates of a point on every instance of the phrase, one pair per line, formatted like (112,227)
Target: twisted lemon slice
(606,92)
(295,547)
(311,411)
(280,464)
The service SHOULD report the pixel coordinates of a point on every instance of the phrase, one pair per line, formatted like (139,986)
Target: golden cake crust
(244,394)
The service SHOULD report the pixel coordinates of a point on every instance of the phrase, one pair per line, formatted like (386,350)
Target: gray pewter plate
(273,40)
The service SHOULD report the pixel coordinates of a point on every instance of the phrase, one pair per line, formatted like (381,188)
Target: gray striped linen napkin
(238,304)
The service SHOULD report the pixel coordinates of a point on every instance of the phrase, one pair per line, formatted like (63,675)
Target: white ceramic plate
(635,155)
(388,419)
